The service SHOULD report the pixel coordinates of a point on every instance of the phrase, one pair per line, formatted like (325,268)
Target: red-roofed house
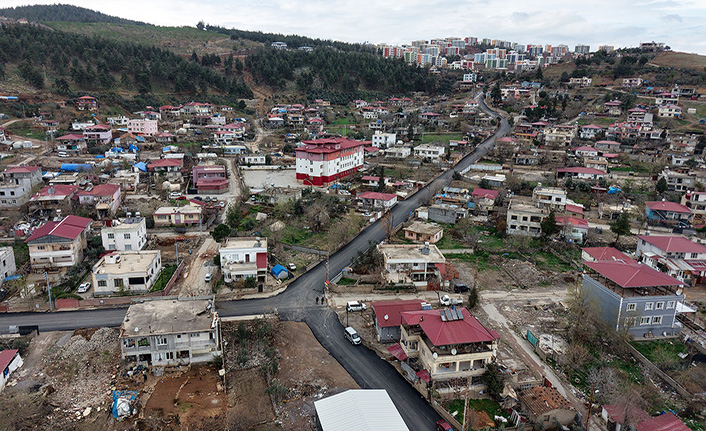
(665,422)
(616,416)
(667,213)
(99,134)
(580,173)
(72,143)
(86,103)
(585,151)
(210,179)
(372,200)
(484,199)
(388,317)
(17,184)
(589,131)
(58,244)
(593,254)
(10,360)
(450,344)
(675,255)
(171,167)
(48,200)
(324,161)
(633,297)
(572,228)
(106,198)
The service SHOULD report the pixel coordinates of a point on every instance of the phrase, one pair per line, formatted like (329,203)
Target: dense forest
(81,62)
(62,12)
(292,41)
(329,69)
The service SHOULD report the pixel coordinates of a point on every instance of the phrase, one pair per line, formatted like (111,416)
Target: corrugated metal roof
(359,410)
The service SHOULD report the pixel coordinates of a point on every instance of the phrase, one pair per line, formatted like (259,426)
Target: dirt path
(193,282)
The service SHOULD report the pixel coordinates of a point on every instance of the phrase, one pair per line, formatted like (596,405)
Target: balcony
(634,292)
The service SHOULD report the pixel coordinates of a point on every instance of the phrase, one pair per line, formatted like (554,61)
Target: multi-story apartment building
(72,144)
(582,49)
(679,181)
(125,235)
(675,255)
(244,257)
(142,126)
(434,153)
(450,344)
(696,202)
(17,184)
(99,134)
(553,198)
(634,298)
(58,244)
(127,271)
(323,161)
(525,218)
(384,140)
(171,332)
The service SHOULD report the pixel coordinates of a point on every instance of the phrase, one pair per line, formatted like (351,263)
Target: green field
(442,138)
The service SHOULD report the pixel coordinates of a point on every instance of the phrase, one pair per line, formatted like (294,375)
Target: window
(102,283)
(671,304)
(632,307)
(118,282)
(649,306)
(693,255)
(659,306)
(656,320)
(645,320)
(126,236)
(41,247)
(161,341)
(128,247)
(513,217)
(111,236)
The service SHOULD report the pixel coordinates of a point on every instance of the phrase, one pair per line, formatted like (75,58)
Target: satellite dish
(435,355)
(386,317)
(679,291)
(454,351)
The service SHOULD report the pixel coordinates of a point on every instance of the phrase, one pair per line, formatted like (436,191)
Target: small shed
(279,271)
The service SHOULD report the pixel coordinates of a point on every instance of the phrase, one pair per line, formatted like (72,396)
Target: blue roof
(75,167)
(99,156)
(277,270)
(133,148)
(141,166)
(13,277)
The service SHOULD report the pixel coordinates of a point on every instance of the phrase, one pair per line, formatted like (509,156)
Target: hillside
(62,12)
(680,60)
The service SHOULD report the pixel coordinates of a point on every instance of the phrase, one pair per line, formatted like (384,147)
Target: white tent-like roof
(359,410)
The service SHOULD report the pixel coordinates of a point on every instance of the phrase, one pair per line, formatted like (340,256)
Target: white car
(207,278)
(291,266)
(355,306)
(447,300)
(83,288)
(174,195)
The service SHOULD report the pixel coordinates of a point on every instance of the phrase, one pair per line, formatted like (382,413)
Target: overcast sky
(681,24)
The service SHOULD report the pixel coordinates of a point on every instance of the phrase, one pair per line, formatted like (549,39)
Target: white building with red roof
(573,228)
(17,184)
(484,198)
(323,161)
(633,297)
(376,200)
(172,168)
(449,344)
(99,134)
(84,103)
(105,198)
(49,199)
(667,213)
(73,143)
(10,360)
(675,255)
(580,173)
(58,244)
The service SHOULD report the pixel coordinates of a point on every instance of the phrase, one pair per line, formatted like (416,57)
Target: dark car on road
(461,288)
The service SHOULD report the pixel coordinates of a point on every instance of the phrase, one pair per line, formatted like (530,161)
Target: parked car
(442,425)
(352,336)
(83,288)
(198,198)
(207,278)
(174,195)
(355,306)
(63,154)
(461,288)
(291,266)
(222,204)
(447,300)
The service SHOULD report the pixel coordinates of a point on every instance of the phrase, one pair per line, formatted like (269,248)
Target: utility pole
(176,244)
(46,278)
(465,406)
(590,405)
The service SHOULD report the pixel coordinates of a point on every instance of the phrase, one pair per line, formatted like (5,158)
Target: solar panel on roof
(443,315)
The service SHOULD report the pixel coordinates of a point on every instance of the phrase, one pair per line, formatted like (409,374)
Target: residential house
(585,151)
(666,98)
(621,417)
(696,202)
(210,179)
(105,198)
(589,131)
(593,254)
(177,216)
(423,232)
(52,201)
(484,199)
(131,272)
(524,218)
(675,255)
(552,198)
(544,405)
(447,214)
(611,146)
(244,257)
(527,159)
(679,180)
(667,213)
(98,134)
(323,161)
(384,140)
(253,159)
(171,332)
(17,184)
(433,153)
(375,200)
(361,409)
(86,103)
(387,316)
(142,126)
(73,144)
(10,360)
(8,266)
(58,244)
(414,264)
(584,81)
(634,298)
(164,138)
(125,235)
(580,173)
(560,135)
(613,108)
(370,180)
(449,344)
(572,228)
(632,82)
(172,169)
(398,152)
(669,111)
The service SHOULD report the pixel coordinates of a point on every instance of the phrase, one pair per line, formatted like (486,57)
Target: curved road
(298,303)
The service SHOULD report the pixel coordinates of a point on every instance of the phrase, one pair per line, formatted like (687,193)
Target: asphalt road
(298,303)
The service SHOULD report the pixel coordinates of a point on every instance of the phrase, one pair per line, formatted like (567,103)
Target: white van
(355,306)
(352,336)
